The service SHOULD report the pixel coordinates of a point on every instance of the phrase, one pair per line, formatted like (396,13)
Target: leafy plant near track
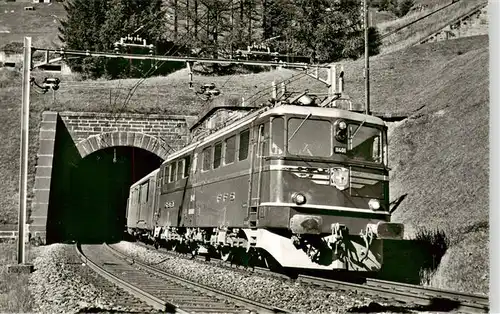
(435,243)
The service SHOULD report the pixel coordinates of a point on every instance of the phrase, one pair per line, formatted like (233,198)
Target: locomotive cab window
(309,137)
(365,143)
(244,142)
(264,139)
(278,136)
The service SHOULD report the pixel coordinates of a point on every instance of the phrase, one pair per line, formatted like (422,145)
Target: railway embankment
(62,283)
(279,292)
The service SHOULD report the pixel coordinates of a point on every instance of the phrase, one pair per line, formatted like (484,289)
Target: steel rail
(401,292)
(144,296)
(407,293)
(474,300)
(243,302)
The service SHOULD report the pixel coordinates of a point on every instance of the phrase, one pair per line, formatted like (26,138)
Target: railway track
(218,262)
(425,298)
(164,291)
(429,299)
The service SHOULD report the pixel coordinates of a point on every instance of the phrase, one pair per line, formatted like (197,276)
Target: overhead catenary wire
(140,81)
(156,66)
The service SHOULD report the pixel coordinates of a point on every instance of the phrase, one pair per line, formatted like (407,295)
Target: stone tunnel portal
(92,205)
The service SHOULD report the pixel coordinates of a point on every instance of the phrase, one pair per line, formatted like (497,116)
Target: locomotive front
(327,206)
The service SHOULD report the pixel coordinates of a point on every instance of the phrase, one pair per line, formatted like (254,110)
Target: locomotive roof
(145,178)
(323,112)
(279,110)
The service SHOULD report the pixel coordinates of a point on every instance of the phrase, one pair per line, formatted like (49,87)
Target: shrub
(434,243)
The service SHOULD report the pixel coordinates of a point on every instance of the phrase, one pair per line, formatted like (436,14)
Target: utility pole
(23,169)
(21,266)
(367,59)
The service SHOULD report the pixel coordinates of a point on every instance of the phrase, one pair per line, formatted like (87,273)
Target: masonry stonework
(90,132)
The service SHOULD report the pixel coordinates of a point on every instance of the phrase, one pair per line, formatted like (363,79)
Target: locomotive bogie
(320,251)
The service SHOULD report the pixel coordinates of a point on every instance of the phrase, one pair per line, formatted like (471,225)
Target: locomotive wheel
(225,254)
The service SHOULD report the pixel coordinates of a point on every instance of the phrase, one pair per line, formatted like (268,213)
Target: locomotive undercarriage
(280,247)
(228,244)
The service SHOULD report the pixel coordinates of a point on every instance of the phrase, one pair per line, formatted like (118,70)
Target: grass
(447,142)
(427,26)
(390,25)
(15,296)
(41,24)
(463,267)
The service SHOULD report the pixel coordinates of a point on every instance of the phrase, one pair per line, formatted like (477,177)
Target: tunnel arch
(100,141)
(89,194)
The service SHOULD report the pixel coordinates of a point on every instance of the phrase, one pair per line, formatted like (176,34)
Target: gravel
(61,283)
(281,293)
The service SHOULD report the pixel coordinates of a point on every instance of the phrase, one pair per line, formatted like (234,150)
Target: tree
(404,7)
(323,30)
(96,25)
(81,31)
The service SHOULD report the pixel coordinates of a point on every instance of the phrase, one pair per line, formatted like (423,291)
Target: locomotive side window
(173,169)
(278,136)
(144,192)
(187,164)
(365,143)
(194,166)
(166,171)
(180,169)
(135,198)
(244,141)
(309,137)
(229,149)
(207,156)
(217,154)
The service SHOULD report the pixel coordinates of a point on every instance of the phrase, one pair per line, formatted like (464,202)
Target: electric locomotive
(296,184)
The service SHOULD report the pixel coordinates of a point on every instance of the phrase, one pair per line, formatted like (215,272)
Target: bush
(435,243)
(404,7)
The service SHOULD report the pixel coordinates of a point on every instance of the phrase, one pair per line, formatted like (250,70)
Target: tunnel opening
(91,204)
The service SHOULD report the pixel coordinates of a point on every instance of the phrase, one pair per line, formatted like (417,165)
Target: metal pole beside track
(23,169)
(367,60)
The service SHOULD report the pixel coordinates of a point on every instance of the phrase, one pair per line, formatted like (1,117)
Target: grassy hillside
(41,24)
(439,155)
(425,27)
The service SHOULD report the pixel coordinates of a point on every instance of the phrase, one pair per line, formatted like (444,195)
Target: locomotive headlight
(374,204)
(299,198)
(340,130)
